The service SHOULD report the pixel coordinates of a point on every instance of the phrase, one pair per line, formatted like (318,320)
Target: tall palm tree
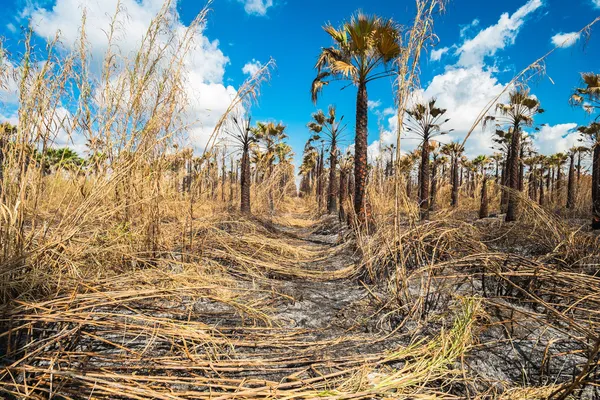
(517,113)
(331,129)
(592,133)
(362,49)
(425,120)
(241,132)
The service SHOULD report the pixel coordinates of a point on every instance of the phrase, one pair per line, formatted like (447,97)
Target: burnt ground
(319,330)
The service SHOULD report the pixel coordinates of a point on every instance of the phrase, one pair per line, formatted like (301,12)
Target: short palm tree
(425,120)
(517,113)
(454,150)
(331,129)
(270,135)
(362,49)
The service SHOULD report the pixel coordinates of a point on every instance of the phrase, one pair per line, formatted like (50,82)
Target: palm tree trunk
(504,181)
(331,195)
(343,193)
(434,183)
(484,208)
(513,175)
(596,182)
(578,166)
(559,185)
(424,180)
(454,198)
(245,182)
(360,153)
(541,181)
(571,183)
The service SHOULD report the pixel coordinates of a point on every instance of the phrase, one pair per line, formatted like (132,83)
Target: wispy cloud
(495,37)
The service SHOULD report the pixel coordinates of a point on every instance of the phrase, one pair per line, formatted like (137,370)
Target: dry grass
(116,283)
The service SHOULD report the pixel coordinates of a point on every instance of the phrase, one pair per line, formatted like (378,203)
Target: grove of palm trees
(147,267)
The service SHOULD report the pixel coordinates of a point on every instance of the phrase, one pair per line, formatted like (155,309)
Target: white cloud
(466,88)
(257,7)
(11,27)
(252,67)
(556,139)
(373,104)
(465,29)
(596,3)
(495,37)
(208,97)
(436,55)
(565,39)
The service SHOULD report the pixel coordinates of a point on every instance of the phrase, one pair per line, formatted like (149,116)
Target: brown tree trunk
(245,182)
(541,181)
(331,193)
(424,180)
(513,175)
(571,183)
(434,184)
(484,208)
(343,192)
(360,153)
(454,197)
(578,166)
(596,182)
(521,170)
(504,181)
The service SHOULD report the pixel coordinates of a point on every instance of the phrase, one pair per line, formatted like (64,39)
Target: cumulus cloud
(495,37)
(252,67)
(257,7)
(556,138)
(208,97)
(465,88)
(565,39)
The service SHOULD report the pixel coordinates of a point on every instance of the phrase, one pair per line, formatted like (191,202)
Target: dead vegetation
(135,277)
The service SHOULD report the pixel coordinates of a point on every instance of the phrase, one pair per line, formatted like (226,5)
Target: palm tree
(425,120)
(241,132)
(518,112)
(362,49)
(592,133)
(331,128)
(454,151)
(588,96)
(270,135)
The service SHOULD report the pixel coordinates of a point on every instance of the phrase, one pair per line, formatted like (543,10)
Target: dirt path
(146,335)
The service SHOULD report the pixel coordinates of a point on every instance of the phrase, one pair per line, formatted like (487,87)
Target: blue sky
(479,50)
